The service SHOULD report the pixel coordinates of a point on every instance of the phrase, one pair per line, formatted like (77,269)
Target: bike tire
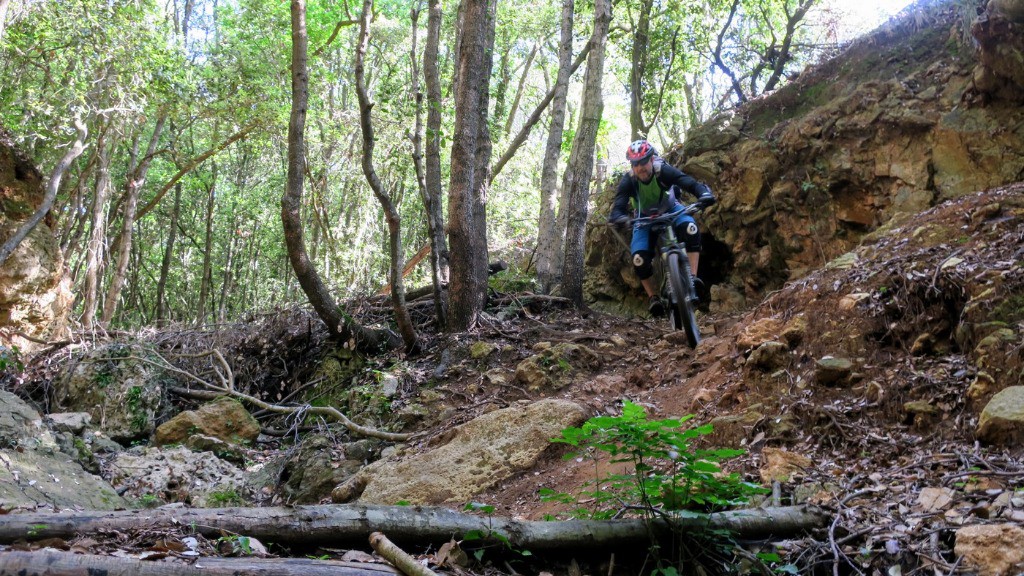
(681,312)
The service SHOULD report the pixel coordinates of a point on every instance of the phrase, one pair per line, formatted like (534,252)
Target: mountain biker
(647,190)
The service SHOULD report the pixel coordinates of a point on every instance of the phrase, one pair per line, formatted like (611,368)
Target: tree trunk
(581,161)
(520,89)
(3,18)
(57,563)
(639,58)
(162,314)
(122,250)
(98,232)
(432,163)
(206,283)
(466,224)
(391,216)
(549,236)
(52,186)
(337,524)
(291,205)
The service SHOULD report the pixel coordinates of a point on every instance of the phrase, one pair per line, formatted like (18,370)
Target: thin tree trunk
(122,250)
(3,17)
(391,216)
(229,277)
(581,161)
(530,122)
(432,163)
(549,237)
(520,89)
(206,282)
(162,315)
(191,165)
(337,524)
(291,205)
(98,233)
(465,229)
(52,186)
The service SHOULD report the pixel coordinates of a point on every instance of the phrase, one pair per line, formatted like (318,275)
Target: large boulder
(34,473)
(481,453)
(224,419)
(35,294)
(118,388)
(153,476)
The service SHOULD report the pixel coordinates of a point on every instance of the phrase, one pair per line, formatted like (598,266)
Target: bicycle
(678,287)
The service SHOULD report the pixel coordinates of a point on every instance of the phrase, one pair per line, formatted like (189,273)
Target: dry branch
(57,563)
(406,563)
(333,524)
(227,386)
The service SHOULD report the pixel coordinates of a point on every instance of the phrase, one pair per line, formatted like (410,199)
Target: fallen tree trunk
(57,563)
(353,523)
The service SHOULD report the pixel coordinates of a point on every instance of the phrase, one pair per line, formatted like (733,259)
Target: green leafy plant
(10,358)
(149,501)
(483,537)
(225,498)
(665,473)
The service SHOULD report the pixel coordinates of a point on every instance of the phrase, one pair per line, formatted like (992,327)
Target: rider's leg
(640,246)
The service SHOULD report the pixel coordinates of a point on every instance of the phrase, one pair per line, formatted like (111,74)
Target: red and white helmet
(639,151)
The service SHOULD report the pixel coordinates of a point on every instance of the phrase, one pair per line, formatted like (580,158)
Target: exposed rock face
(482,453)
(152,476)
(855,145)
(34,473)
(35,296)
(1000,35)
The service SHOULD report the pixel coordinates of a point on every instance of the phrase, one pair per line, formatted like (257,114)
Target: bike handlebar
(667,217)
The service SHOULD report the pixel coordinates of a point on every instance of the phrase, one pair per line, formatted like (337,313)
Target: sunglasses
(639,162)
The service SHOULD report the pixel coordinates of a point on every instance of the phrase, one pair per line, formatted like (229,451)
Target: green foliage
(485,538)
(665,472)
(149,501)
(664,476)
(225,498)
(10,358)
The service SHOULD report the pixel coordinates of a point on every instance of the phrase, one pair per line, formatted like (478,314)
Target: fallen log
(58,563)
(353,523)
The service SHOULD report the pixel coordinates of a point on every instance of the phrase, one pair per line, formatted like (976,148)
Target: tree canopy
(171,211)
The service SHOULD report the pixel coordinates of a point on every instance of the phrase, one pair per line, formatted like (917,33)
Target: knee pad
(690,235)
(642,264)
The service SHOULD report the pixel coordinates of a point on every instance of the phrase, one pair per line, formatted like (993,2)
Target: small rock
(770,355)
(73,422)
(991,549)
(781,465)
(481,350)
(831,371)
(932,500)
(1002,420)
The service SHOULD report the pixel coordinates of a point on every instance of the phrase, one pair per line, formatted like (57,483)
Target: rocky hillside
(916,113)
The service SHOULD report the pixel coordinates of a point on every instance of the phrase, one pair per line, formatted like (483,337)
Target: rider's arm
(620,207)
(670,175)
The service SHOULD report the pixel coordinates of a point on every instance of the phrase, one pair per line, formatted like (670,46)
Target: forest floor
(890,451)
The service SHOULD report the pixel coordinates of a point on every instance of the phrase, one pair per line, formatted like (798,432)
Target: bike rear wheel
(681,298)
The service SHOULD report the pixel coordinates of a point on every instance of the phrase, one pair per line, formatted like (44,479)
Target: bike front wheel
(681,295)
